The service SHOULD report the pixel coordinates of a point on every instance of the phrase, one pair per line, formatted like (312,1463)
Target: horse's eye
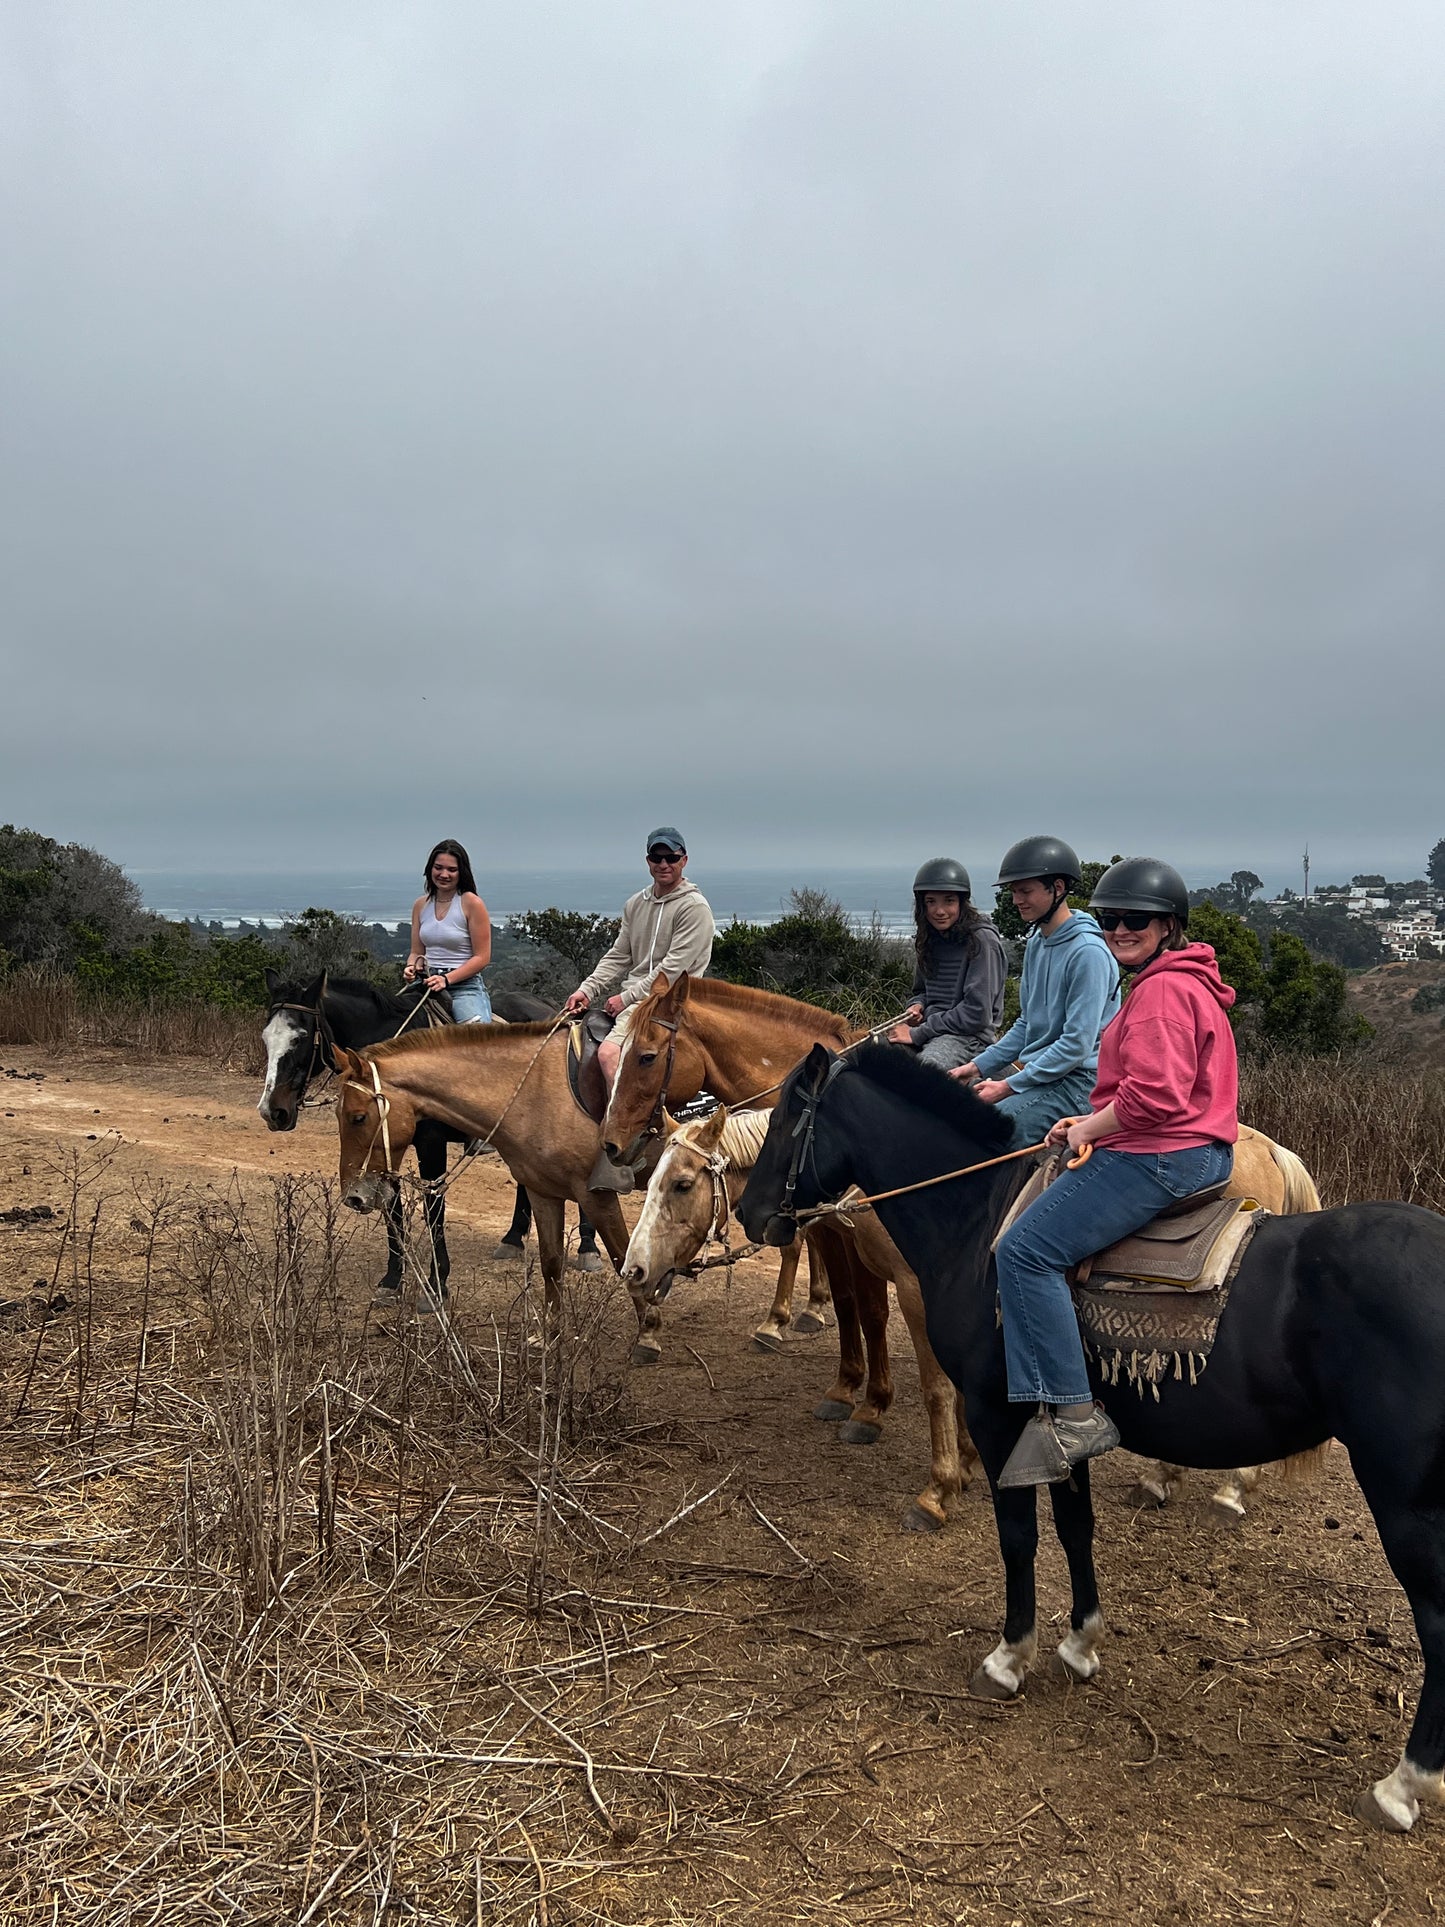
(647,1057)
(356,1117)
(683,1184)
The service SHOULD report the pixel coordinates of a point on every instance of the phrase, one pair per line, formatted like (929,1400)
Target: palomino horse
(302,1024)
(739,1043)
(698,1178)
(1334,1328)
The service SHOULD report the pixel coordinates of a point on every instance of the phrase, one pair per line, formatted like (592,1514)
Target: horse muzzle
(780,1231)
(369,1191)
(278,1118)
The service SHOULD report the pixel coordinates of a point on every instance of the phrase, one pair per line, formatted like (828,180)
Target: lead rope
(841,1205)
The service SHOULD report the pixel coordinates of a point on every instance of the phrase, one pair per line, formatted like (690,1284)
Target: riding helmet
(942,873)
(1039,856)
(1142,883)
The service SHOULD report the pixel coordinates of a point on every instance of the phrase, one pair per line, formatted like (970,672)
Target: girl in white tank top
(451,935)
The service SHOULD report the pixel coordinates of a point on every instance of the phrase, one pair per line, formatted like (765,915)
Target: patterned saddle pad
(1149,1306)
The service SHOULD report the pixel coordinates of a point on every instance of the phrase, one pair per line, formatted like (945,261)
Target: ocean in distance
(386,896)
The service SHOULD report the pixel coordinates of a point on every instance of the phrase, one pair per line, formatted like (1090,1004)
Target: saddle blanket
(1149,1306)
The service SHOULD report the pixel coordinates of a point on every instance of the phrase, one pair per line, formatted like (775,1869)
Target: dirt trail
(1253,1681)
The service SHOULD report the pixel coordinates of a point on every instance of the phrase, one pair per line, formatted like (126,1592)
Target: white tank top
(446,940)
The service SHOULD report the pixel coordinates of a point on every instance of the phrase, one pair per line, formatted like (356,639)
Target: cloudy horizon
(848,432)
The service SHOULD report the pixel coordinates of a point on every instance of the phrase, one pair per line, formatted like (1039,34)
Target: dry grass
(306,1623)
(48,1010)
(1365,1129)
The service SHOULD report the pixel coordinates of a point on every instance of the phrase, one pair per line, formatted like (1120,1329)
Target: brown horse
(507,1084)
(740,1043)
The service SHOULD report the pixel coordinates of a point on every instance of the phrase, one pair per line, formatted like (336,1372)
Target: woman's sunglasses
(1131,919)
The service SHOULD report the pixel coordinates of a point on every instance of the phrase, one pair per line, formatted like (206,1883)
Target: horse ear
(664,991)
(314,992)
(817,1063)
(708,1134)
(340,1060)
(274,980)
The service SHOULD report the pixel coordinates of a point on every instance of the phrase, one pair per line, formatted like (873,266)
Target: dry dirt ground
(772,1690)
(1384,996)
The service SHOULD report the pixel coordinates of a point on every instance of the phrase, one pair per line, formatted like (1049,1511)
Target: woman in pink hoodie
(1163,1125)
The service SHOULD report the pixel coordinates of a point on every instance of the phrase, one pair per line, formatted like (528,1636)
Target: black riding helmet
(1039,857)
(942,873)
(1143,883)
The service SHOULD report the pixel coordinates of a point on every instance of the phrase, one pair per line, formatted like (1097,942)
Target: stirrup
(1038,1458)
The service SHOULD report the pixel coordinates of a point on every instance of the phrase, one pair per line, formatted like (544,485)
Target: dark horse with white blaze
(303,1022)
(1334,1327)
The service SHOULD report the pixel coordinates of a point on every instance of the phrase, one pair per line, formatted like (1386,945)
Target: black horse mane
(358,988)
(933,1091)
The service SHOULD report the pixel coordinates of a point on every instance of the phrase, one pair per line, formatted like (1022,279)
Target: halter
(321,1035)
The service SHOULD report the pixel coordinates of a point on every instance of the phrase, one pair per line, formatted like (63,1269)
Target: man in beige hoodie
(668,927)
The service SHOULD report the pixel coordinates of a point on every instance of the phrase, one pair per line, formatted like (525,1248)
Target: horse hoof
(1151,1497)
(765,1339)
(832,1408)
(810,1321)
(1226,1512)
(586,1261)
(644,1354)
(386,1298)
(859,1432)
(1063,1670)
(506,1249)
(984,1686)
(919,1518)
(1369,1809)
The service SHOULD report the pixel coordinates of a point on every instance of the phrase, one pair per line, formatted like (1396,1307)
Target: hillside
(1383,996)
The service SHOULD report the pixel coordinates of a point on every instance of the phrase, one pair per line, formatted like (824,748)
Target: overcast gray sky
(846,430)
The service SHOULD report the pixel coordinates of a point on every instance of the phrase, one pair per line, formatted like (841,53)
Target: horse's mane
(742,1137)
(763,1003)
(360,988)
(933,1091)
(457,1037)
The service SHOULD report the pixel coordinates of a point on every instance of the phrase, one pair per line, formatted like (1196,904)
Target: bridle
(803,1134)
(323,1038)
(383,1116)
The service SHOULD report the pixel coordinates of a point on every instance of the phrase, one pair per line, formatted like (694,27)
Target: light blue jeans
(1032,1112)
(1082,1211)
(470,1002)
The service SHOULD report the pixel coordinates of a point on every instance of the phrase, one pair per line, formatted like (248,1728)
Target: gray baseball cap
(667,836)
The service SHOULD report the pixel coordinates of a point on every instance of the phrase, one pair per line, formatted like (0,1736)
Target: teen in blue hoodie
(1044,1066)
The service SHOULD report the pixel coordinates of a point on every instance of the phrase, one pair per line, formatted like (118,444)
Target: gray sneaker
(1049,1447)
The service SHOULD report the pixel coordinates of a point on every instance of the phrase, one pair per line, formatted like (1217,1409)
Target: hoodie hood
(1197,961)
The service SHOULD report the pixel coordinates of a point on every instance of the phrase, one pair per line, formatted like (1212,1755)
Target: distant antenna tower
(1307,873)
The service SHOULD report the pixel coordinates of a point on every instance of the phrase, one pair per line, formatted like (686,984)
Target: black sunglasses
(665,856)
(1131,919)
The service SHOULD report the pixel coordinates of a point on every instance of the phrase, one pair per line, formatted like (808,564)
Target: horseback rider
(451,934)
(958,983)
(665,928)
(1163,1119)
(1043,1066)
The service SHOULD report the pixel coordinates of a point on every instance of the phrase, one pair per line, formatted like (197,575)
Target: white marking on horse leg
(1079,1651)
(1397,1797)
(1157,1481)
(1229,1496)
(1008,1664)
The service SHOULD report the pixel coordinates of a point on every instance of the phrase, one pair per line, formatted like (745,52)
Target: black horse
(300,1025)
(1334,1328)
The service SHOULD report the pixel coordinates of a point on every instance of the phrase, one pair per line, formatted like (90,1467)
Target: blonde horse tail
(1299,1187)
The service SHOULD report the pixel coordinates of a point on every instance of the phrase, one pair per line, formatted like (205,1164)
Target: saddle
(1193,1245)
(584,1073)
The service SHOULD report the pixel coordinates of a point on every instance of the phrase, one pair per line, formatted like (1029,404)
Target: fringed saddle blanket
(1149,1306)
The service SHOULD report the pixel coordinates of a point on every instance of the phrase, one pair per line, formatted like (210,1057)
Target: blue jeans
(1082,1211)
(470,1002)
(1034,1111)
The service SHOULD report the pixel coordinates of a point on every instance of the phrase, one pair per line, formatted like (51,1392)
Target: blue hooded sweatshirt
(1068,992)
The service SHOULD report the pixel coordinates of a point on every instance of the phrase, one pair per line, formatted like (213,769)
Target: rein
(803,1132)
